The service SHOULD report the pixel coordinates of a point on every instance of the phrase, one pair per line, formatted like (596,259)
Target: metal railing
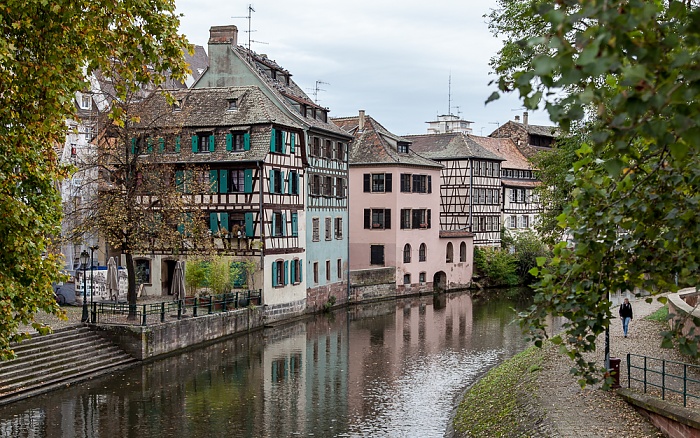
(665,376)
(156,313)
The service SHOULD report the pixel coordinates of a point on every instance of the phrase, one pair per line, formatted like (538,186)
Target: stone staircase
(66,356)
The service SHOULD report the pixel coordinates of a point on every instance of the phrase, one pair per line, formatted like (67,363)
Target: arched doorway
(439,281)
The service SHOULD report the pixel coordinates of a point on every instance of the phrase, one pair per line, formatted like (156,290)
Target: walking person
(625,315)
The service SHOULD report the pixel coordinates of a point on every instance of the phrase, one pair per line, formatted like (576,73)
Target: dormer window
(86,102)
(233,104)
(402,147)
(177,105)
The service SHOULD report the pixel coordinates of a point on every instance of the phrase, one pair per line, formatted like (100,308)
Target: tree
(219,275)
(633,211)
(46,50)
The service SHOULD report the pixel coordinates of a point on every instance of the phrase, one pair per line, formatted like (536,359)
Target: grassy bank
(494,406)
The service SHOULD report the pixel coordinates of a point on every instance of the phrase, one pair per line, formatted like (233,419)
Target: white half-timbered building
(521,206)
(470,186)
(326,265)
(253,157)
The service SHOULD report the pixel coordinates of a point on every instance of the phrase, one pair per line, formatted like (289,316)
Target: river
(388,369)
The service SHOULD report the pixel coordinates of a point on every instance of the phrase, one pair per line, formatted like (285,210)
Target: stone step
(47,352)
(60,382)
(54,359)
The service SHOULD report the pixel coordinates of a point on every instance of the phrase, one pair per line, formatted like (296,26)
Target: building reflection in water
(379,369)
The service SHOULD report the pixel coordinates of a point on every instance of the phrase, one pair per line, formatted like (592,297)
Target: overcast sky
(392,59)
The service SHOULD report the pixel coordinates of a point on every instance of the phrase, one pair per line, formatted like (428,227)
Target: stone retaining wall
(672,420)
(147,342)
(683,312)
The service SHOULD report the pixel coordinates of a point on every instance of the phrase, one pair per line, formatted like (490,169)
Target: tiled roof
(376,145)
(282,89)
(546,131)
(504,147)
(449,146)
(204,108)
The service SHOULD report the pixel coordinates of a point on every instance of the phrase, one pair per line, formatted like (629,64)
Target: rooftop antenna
(249,31)
(316,89)
(449,95)
(458,111)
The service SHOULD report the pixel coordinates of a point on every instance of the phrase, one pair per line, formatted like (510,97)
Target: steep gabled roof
(375,145)
(208,108)
(285,88)
(449,146)
(504,147)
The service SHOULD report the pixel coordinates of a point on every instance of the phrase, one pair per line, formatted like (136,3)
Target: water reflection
(389,369)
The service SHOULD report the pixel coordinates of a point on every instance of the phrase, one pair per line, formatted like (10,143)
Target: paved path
(574,412)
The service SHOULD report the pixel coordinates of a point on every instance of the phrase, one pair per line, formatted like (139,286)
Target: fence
(156,313)
(665,376)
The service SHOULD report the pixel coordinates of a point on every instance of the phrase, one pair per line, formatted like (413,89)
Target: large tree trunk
(131,293)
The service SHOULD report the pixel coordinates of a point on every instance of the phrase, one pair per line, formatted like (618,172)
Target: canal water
(389,369)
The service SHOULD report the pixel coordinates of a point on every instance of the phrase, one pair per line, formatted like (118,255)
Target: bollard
(615,372)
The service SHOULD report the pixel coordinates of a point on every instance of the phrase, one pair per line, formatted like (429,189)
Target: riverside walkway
(570,411)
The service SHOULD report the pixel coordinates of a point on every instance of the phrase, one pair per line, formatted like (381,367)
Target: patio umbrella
(112,280)
(178,282)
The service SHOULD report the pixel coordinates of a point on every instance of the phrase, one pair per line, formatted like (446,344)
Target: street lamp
(92,271)
(84,260)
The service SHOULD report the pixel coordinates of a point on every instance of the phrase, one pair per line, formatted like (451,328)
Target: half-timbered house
(394,213)
(253,157)
(529,139)
(520,203)
(326,265)
(470,184)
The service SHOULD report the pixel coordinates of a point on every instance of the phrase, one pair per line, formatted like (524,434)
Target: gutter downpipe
(262,224)
(471,193)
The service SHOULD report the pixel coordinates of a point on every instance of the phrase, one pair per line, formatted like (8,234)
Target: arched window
(450,253)
(406,278)
(407,253)
(462,252)
(422,252)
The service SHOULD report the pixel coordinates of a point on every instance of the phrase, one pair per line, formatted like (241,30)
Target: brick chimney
(223,35)
(525,118)
(362,120)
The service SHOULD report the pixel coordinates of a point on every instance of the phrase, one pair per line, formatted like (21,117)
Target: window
(328,270)
(462,252)
(316,151)
(143,271)
(402,147)
(525,222)
(293,182)
(339,187)
(340,151)
(421,278)
(315,272)
(407,253)
(278,224)
(339,267)
(422,184)
(406,278)
(236,182)
(316,185)
(513,223)
(279,141)
(296,268)
(377,218)
(422,252)
(205,142)
(315,233)
(405,182)
(376,255)
(232,104)
(416,218)
(377,182)
(450,253)
(329,149)
(328,186)
(339,228)
(329,230)
(238,141)
(276,181)
(278,273)
(86,102)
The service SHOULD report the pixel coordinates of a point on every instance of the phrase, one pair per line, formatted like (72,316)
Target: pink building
(394,213)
